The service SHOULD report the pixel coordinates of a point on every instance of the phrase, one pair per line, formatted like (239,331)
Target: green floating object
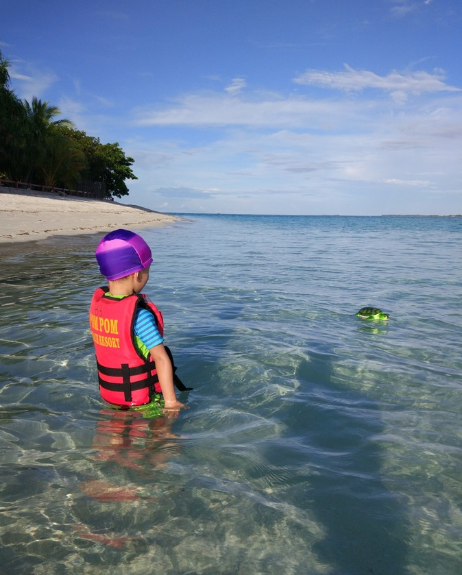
(153,409)
(372,313)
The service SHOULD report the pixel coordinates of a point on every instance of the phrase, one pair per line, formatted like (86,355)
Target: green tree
(37,148)
(13,128)
(106,164)
(63,161)
(113,169)
(41,129)
(4,74)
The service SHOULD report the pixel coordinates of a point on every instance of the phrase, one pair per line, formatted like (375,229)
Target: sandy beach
(31,216)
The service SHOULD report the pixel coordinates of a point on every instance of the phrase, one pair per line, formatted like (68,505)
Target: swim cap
(121,253)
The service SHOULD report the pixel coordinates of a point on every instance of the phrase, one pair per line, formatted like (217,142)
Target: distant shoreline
(186,214)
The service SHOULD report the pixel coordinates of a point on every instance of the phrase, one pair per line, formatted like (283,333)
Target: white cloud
(402,8)
(399,85)
(21,77)
(236,86)
(306,152)
(148,159)
(71,108)
(260,111)
(182,193)
(32,82)
(308,114)
(104,102)
(412,183)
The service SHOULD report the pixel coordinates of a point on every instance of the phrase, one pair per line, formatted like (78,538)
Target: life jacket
(125,377)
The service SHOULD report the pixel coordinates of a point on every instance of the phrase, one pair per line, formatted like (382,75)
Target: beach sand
(31,216)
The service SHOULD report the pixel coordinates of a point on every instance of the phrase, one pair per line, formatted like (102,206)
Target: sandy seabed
(31,216)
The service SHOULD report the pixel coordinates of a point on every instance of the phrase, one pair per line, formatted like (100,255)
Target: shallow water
(315,442)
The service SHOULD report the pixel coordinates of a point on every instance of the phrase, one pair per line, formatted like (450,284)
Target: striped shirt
(146,329)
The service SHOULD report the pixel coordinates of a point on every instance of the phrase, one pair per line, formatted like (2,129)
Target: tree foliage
(40,135)
(13,126)
(62,160)
(106,163)
(37,148)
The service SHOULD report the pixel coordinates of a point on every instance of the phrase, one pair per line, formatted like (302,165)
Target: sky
(306,107)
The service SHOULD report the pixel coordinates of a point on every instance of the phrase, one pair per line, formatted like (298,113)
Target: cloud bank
(399,85)
(306,151)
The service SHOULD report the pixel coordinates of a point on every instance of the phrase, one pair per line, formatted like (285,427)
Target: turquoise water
(315,443)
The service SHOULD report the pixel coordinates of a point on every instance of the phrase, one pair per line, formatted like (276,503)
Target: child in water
(127,329)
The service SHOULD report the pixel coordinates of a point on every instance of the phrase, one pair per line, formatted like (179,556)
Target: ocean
(315,443)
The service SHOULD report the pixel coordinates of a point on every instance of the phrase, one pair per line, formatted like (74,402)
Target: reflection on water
(316,442)
(129,440)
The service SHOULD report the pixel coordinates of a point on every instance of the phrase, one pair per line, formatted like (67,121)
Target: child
(127,328)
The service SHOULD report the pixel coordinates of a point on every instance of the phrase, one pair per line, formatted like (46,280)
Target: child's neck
(120,289)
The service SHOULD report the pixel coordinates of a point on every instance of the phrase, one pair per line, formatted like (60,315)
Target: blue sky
(349,107)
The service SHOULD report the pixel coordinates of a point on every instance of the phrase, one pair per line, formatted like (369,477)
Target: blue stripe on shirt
(146,329)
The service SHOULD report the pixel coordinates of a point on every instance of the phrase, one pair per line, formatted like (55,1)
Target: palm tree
(13,123)
(4,74)
(41,115)
(40,123)
(63,160)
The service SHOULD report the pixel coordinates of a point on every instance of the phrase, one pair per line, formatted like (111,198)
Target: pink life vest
(125,376)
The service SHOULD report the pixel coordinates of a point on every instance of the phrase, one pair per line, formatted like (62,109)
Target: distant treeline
(36,148)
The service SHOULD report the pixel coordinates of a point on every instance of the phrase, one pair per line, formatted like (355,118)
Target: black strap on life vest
(176,380)
(125,372)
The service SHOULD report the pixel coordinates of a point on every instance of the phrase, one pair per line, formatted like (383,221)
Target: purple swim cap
(121,253)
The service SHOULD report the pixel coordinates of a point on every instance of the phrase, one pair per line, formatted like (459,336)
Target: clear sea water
(315,443)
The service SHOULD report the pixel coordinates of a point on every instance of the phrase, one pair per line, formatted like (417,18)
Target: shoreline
(28,216)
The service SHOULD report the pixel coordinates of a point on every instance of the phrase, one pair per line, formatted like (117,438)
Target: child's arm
(165,375)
